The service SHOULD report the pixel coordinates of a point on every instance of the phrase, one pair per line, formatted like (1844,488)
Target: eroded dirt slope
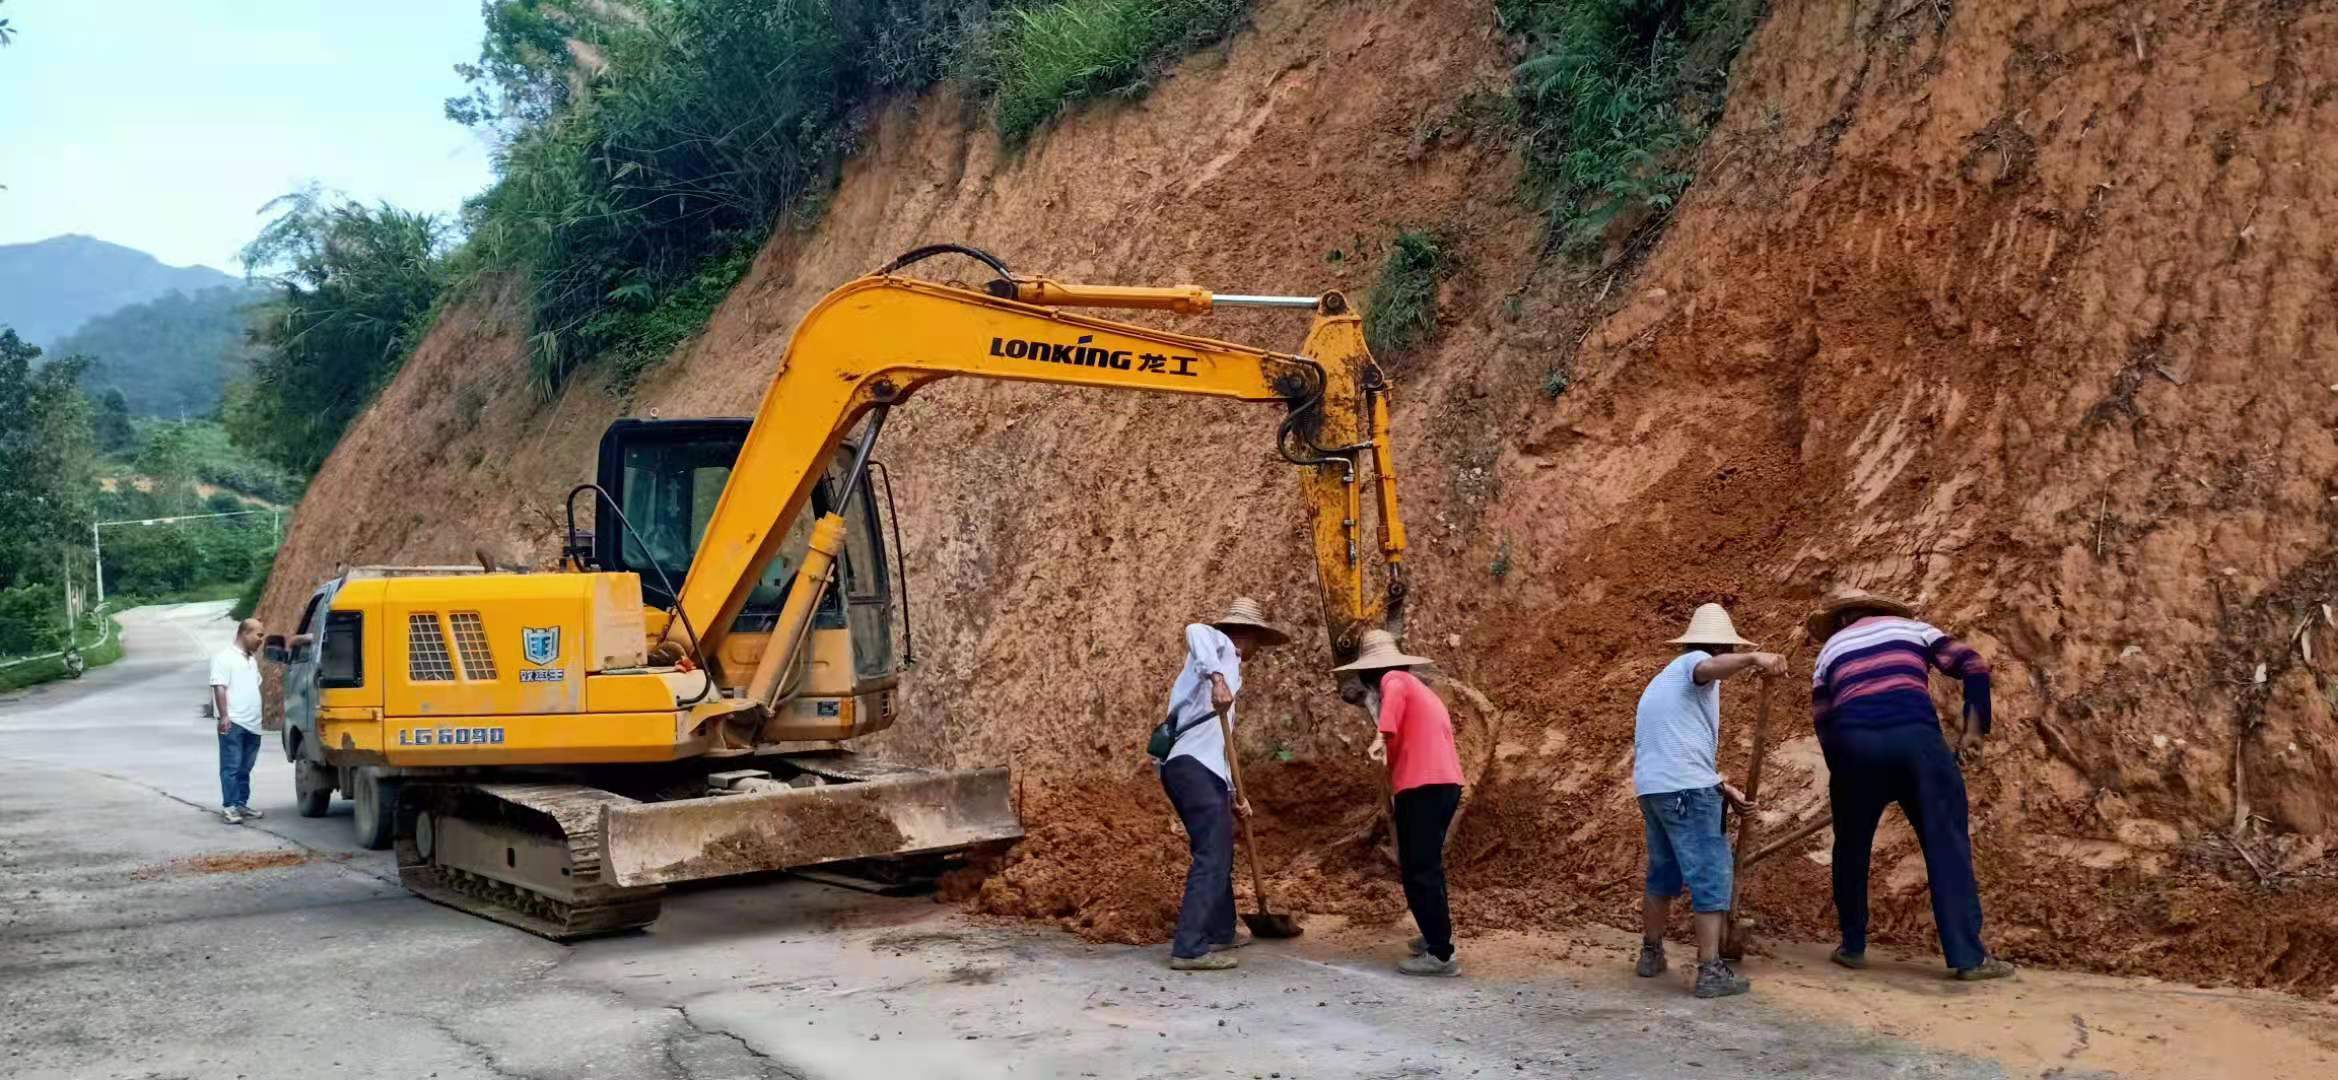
(2021,309)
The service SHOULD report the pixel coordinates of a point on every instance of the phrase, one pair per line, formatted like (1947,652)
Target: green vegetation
(248,601)
(650,149)
(1618,96)
(200,451)
(46,455)
(1500,567)
(646,151)
(1402,312)
(167,357)
(98,653)
(354,287)
(1556,381)
(1050,55)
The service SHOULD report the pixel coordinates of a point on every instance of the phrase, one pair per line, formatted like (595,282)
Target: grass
(1556,381)
(1617,97)
(247,599)
(1401,314)
(1050,55)
(34,673)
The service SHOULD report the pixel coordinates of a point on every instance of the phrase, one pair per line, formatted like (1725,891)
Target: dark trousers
(1422,815)
(1206,916)
(1910,765)
(239,750)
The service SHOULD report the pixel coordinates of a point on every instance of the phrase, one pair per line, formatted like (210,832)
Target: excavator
(676,701)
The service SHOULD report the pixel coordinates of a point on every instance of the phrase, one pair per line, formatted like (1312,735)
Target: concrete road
(142,937)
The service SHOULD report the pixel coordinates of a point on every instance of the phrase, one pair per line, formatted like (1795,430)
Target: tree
(168,460)
(110,422)
(169,356)
(47,457)
(355,287)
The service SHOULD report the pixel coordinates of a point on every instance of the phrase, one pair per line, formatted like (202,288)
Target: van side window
(342,664)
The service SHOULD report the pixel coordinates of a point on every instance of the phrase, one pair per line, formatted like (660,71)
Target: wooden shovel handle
(1753,787)
(1249,845)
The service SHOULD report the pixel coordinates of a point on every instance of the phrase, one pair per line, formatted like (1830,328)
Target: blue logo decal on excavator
(540,645)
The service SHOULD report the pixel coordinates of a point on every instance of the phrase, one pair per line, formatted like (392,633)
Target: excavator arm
(871,344)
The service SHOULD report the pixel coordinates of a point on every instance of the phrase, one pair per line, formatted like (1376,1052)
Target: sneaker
(1651,960)
(1856,961)
(1216,961)
(1416,946)
(250,813)
(1715,979)
(1241,937)
(232,816)
(1430,966)
(1991,968)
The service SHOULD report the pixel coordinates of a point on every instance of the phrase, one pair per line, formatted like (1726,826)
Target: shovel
(1737,932)
(1263,923)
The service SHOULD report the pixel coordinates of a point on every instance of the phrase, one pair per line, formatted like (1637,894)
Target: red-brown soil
(2023,310)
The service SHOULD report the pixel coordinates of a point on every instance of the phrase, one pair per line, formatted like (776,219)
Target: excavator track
(526,855)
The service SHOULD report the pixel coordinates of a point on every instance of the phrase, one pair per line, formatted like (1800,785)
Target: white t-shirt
(1678,733)
(240,674)
(1208,651)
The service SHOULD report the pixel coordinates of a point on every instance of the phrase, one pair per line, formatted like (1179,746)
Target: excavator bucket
(780,828)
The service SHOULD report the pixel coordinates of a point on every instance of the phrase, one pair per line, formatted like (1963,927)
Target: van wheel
(312,788)
(376,803)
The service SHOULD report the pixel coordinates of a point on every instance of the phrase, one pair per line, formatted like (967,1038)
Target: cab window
(341,664)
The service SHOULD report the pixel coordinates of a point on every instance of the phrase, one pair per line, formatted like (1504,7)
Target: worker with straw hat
(1415,739)
(1871,701)
(1676,744)
(1196,776)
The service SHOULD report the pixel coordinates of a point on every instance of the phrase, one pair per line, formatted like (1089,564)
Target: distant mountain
(49,288)
(170,357)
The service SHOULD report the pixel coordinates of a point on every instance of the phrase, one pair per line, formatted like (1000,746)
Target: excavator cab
(666,477)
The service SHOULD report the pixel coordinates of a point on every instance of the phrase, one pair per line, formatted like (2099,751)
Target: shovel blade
(1268,924)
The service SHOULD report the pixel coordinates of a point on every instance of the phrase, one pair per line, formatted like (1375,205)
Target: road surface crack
(771,1066)
(481,1050)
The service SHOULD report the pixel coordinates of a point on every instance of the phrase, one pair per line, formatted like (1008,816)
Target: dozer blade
(906,813)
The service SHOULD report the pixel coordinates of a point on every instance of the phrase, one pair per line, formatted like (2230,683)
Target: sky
(165,125)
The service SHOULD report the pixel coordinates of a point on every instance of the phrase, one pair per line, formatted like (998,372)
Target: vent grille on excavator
(426,655)
(471,643)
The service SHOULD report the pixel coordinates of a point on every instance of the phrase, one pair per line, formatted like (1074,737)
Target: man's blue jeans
(239,750)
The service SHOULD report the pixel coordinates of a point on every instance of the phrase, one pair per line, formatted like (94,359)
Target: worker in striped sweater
(1871,700)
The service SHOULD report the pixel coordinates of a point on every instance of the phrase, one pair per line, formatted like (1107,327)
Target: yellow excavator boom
(874,342)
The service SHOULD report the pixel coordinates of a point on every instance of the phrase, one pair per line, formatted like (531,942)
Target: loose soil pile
(2023,310)
(241,862)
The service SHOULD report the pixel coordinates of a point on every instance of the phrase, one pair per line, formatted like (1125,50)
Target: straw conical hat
(1821,622)
(1378,650)
(1710,625)
(1244,611)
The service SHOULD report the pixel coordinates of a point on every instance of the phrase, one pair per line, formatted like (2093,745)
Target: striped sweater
(1875,673)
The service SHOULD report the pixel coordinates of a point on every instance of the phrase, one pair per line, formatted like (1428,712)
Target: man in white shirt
(235,700)
(1198,781)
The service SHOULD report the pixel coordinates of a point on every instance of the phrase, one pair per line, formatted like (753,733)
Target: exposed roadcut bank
(2022,310)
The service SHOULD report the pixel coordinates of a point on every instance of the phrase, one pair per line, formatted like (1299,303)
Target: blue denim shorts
(1686,848)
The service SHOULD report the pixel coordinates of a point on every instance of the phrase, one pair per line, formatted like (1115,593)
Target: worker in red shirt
(1424,772)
